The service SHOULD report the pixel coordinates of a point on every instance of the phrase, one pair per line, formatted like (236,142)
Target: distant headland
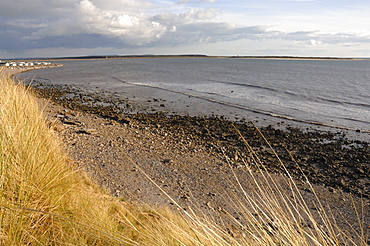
(182,56)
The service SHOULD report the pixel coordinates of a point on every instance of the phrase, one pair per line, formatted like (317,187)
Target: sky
(57,28)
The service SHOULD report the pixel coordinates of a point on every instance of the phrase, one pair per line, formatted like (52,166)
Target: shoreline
(154,96)
(159,104)
(13,71)
(326,157)
(193,57)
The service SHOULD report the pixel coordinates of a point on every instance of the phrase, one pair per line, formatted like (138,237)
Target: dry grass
(44,201)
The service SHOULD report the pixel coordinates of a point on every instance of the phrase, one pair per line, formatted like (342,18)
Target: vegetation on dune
(44,200)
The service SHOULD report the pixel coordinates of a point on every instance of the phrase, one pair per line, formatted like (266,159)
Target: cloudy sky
(52,28)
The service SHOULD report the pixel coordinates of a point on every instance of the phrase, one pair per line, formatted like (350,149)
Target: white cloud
(85,17)
(314,42)
(125,20)
(89,19)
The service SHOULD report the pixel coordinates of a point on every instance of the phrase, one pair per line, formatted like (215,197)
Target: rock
(88,131)
(332,190)
(185,197)
(167,161)
(75,123)
(125,121)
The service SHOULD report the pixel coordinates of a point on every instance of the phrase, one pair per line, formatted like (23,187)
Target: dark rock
(167,161)
(75,123)
(88,131)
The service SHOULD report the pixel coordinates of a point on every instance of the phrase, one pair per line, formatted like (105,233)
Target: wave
(343,102)
(209,93)
(323,99)
(300,95)
(357,120)
(245,85)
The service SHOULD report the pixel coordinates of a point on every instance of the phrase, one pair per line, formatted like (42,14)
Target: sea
(323,93)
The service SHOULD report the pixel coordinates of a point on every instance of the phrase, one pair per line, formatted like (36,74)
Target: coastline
(190,56)
(326,156)
(13,71)
(185,155)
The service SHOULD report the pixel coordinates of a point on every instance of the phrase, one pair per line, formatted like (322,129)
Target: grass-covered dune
(44,200)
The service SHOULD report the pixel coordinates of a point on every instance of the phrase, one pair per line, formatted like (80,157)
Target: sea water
(319,92)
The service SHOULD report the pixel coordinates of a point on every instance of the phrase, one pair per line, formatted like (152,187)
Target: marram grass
(45,201)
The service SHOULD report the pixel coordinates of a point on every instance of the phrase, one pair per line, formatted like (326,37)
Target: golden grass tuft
(44,201)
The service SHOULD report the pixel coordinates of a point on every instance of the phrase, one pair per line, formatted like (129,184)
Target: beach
(195,159)
(192,161)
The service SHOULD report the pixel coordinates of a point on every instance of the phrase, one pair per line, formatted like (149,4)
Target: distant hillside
(177,56)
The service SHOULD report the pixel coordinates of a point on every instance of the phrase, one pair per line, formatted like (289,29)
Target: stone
(70,122)
(88,131)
